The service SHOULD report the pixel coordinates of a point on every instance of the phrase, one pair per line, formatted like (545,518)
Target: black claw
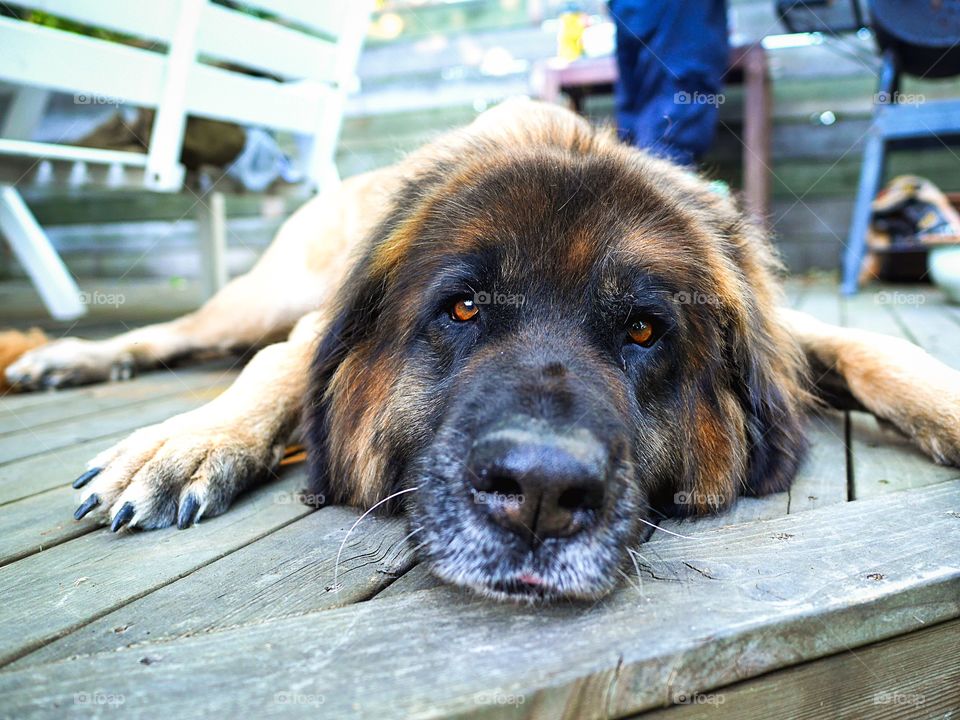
(89,504)
(122,517)
(188,511)
(86,477)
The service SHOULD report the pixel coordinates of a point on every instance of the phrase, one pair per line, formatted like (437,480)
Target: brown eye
(464,310)
(641,332)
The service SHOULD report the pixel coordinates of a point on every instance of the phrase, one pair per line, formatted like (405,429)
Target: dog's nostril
(499,485)
(573,499)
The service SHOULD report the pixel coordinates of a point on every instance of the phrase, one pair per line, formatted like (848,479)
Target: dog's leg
(194,464)
(892,378)
(228,322)
(303,264)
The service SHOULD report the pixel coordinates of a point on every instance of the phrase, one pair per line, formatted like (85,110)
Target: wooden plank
(912,676)
(924,318)
(746,510)
(823,478)
(883,459)
(19,403)
(731,605)
(40,522)
(54,592)
(57,468)
(289,572)
(65,405)
(415,579)
(29,442)
(91,207)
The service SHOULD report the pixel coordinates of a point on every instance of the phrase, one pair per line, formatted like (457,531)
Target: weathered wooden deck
(838,599)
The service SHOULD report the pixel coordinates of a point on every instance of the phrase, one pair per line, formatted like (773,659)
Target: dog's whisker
(668,532)
(630,581)
(336,566)
(636,566)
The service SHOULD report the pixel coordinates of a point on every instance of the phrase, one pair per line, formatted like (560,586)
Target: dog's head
(556,342)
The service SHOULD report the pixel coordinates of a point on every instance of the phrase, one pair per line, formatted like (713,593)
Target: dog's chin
(521,586)
(465,551)
(524,589)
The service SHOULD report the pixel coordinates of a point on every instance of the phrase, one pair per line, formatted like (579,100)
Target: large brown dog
(537,336)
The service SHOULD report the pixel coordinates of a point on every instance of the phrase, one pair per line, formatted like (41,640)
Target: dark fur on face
(543,392)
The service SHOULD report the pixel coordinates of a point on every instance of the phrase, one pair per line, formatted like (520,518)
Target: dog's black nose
(539,484)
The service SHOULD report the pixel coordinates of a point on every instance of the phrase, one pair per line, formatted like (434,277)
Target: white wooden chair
(312,45)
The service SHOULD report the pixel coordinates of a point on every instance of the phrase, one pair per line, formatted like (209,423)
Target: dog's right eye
(641,332)
(464,309)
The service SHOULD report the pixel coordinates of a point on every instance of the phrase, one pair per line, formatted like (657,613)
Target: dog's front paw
(928,411)
(181,470)
(69,361)
(939,438)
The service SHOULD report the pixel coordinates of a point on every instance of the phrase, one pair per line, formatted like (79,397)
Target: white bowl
(944,265)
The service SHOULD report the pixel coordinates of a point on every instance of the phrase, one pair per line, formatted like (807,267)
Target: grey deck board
(25,471)
(39,522)
(56,591)
(88,402)
(29,441)
(822,479)
(912,676)
(416,579)
(882,459)
(55,469)
(732,604)
(925,322)
(885,461)
(289,572)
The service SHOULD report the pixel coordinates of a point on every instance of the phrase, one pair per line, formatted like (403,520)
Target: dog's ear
(768,371)
(355,310)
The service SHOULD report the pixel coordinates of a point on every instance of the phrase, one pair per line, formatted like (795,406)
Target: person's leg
(671,59)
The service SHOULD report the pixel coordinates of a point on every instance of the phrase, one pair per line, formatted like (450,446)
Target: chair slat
(224,34)
(323,17)
(46,57)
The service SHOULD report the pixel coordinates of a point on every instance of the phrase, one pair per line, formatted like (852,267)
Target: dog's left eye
(464,309)
(641,332)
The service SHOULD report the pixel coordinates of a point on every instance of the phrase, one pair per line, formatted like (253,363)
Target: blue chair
(920,38)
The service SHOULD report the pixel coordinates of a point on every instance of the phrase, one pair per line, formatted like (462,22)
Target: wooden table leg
(756,135)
